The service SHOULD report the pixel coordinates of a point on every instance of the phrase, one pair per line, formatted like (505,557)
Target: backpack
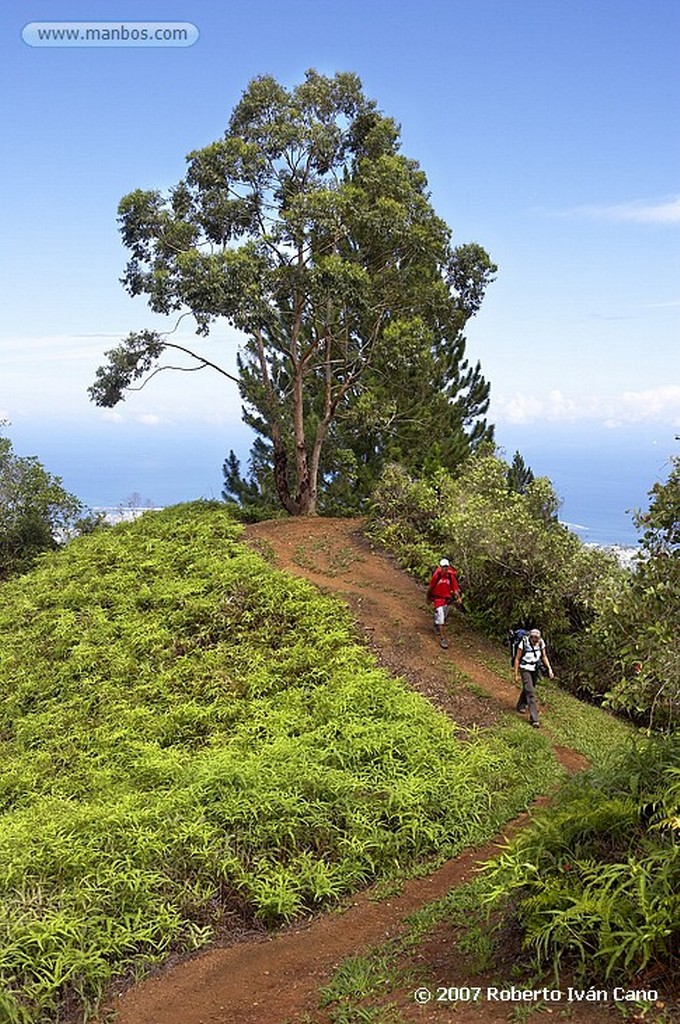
(524,642)
(514,639)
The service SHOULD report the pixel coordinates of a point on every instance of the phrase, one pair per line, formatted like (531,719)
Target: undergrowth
(595,882)
(453,948)
(191,740)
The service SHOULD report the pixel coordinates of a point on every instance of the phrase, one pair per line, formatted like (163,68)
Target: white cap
(444,561)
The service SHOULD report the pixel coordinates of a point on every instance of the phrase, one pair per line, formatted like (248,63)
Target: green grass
(588,729)
(189,737)
(361,984)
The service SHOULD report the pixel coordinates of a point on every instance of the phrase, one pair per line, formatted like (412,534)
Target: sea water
(600,478)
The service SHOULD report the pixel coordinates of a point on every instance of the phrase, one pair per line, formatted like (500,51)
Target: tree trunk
(281,474)
(305,495)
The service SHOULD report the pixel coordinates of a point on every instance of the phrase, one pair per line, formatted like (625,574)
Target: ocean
(110,464)
(600,478)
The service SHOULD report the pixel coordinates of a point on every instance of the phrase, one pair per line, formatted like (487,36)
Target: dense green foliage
(34,510)
(518,564)
(636,630)
(613,632)
(596,879)
(595,883)
(186,735)
(308,231)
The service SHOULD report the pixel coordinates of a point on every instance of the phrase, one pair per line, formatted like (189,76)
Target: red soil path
(275,979)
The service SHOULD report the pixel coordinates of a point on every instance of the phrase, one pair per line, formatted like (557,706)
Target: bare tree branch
(201,359)
(160,369)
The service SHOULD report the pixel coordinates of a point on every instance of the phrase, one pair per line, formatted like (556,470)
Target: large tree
(307,230)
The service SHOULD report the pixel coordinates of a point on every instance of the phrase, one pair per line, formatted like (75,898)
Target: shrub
(596,880)
(35,510)
(637,624)
(518,564)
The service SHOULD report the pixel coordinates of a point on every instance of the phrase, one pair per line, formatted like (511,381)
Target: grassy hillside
(189,740)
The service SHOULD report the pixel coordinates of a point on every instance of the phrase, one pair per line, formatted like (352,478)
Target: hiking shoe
(444,643)
(522,711)
(535,725)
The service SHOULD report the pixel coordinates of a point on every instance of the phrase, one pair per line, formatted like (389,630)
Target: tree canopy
(638,625)
(307,230)
(35,510)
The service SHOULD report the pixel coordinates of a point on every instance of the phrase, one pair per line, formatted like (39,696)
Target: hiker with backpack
(442,590)
(529,660)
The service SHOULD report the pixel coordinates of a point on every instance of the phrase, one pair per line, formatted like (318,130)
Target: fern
(187,734)
(598,875)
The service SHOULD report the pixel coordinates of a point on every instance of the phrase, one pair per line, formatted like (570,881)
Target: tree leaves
(35,510)
(307,230)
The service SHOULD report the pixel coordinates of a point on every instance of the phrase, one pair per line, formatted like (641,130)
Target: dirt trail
(275,979)
(390,607)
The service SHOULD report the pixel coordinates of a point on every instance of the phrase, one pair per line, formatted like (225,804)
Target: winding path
(274,979)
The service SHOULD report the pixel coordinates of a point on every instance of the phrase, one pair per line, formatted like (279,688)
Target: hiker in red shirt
(442,590)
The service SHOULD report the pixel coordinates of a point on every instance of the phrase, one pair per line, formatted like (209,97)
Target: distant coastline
(114,514)
(599,481)
(625,555)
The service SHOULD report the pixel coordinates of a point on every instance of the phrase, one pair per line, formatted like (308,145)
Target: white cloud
(149,419)
(146,419)
(54,348)
(666,211)
(653,405)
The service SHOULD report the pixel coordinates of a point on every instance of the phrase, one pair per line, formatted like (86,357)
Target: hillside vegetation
(191,742)
(612,632)
(592,886)
(595,881)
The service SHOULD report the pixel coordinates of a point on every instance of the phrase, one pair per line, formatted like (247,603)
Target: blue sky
(549,133)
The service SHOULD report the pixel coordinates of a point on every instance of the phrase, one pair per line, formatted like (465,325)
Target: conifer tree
(519,475)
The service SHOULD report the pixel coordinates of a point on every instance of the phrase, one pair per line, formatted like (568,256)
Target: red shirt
(443,586)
